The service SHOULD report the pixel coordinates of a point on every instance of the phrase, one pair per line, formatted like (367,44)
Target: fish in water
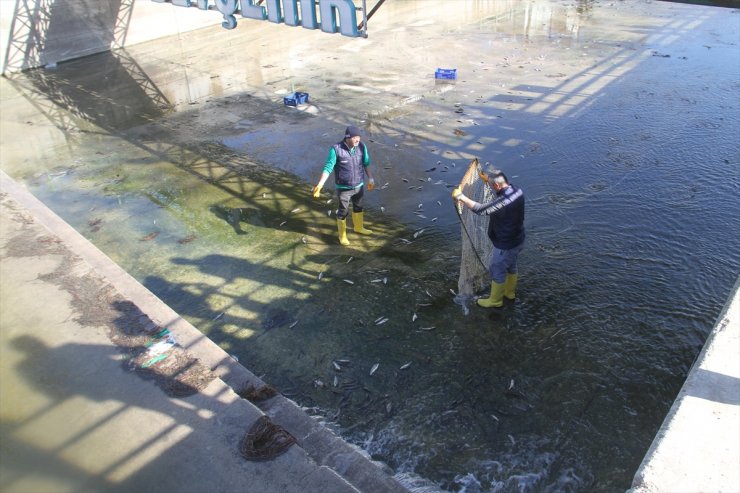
(150,236)
(348,281)
(414,317)
(405,365)
(187,239)
(277,318)
(374,368)
(336,365)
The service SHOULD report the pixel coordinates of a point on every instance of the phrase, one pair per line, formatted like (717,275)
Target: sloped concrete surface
(76,414)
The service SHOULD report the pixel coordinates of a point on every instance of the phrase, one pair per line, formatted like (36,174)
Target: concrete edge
(345,460)
(641,482)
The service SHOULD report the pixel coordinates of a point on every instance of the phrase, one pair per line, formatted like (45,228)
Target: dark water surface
(618,119)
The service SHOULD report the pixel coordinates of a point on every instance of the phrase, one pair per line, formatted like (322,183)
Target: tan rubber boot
(358,219)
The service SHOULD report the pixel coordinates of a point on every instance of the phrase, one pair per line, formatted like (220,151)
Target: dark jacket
(349,171)
(506,226)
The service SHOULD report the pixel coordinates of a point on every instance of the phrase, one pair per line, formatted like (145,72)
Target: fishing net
(476,246)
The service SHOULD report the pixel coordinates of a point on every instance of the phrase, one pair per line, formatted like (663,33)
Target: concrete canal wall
(698,446)
(41,32)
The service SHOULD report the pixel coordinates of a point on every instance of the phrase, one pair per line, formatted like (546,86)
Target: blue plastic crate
(445,73)
(295,99)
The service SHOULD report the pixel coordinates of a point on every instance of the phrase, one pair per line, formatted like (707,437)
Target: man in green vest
(350,162)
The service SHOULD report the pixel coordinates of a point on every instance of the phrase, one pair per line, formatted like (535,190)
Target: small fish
(433,219)
(425,304)
(304,240)
(281,224)
(429,170)
(374,368)
(420,206)
(422,216)
(419,188)
(385,280)
(348,281)
(405,365)
(350,259)
(321,274)
(439,203)
(336,365)
(427,328)
(328,213)
(219,315)
(382,209)
(405,180)
(385,186)
(495,418)
(511,439)
(329,201)
(293,324)
(414,317)
(453,293)
(295,210)
(336,380)
(382,321)
(388,408)
(378,320)
(150,236)
(343,361)
(264,195)
(187,239)
(511,384)
(416,235)
(427,292)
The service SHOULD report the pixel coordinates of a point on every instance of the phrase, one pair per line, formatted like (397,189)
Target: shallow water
(618,120)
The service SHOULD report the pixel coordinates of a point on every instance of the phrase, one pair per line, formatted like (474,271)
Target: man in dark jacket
(506,231)
(350,162)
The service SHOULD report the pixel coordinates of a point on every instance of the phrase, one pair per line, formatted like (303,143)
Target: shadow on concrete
(50,31)
(716,387)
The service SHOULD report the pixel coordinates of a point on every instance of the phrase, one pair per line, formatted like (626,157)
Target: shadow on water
(613,303)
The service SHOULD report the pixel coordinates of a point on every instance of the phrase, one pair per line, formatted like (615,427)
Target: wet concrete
(182,164)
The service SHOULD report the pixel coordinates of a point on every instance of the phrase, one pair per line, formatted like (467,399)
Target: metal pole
(364,18)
